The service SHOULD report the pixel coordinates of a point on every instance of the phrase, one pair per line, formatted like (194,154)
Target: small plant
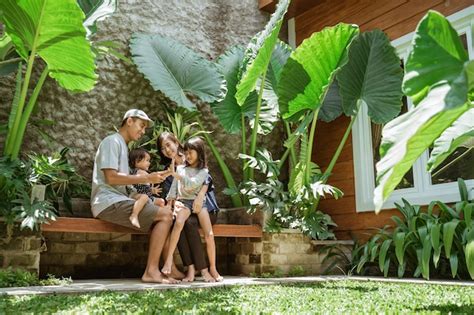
(33,213)
(288,209)
(441,239)
(20,278)
(296,271)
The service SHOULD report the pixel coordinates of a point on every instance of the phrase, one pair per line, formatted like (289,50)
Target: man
(109,198)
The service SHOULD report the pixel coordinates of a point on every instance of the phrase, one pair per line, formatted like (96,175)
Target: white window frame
(423,191)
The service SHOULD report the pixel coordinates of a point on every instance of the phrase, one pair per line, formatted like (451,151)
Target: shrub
(20,278)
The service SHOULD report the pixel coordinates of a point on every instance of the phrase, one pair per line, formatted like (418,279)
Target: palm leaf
(176,70)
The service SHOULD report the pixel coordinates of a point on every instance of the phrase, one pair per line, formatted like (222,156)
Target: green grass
(328,297)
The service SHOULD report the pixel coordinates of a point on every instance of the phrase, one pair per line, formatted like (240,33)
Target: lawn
(327,297)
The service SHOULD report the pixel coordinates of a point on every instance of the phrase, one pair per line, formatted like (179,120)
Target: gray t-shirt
(111,154)
(190,184)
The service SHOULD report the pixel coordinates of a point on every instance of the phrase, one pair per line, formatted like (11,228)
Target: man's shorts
(120,212)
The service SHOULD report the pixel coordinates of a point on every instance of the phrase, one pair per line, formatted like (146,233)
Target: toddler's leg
(140,203)
(181,216)
(205,223)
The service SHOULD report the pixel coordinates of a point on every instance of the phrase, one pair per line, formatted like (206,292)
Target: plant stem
(26,115)
(292,149)
(236,201)
(309,152)
(8,61)
(24,91)
(450,163)
(283,158)
(253,143)
(244,144)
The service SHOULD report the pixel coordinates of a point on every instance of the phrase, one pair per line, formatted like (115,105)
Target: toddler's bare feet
(207,276)
(167,267)
(190,274)
(216,275)
(134,220)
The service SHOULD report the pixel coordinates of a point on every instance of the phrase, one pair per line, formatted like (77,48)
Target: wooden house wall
(396,18)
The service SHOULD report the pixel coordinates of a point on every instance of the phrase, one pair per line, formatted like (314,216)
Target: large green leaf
(228,111)
(259,52)
(176,70)
(425,257)
(406,137)
(319,56)
(399,240)
(449,230)
(457,135)
(96,10)
(470,258)
(332,104)
(33,26)
(372,76)
(437,55)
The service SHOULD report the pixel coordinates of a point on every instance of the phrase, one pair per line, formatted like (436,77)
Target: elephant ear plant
(440,80)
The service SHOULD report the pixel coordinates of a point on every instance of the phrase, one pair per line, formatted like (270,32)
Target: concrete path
(131,285)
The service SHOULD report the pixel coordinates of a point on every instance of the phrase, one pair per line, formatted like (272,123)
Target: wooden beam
(86,225)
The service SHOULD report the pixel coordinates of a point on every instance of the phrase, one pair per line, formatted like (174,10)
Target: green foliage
(438,78)
(13,175)
(296,271)
(59,176)
(425,243)
(96,10)
(338,260)
(176,70)
(20,278)
(33,213)
(287,210)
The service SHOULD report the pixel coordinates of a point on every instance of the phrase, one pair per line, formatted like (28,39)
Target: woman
(189,244)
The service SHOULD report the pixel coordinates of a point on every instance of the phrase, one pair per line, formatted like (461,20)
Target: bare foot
(216,275)
(176,273)
(190,274)
(207,276)
(155,277)
(172,280)
(167,267)
(134,220)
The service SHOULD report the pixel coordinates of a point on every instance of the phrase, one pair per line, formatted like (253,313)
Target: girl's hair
(136,155)
(163,136)
(197,144)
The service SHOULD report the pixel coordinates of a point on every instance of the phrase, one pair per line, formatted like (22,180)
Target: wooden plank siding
(396,18)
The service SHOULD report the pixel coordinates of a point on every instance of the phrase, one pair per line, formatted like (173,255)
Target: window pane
(461,162)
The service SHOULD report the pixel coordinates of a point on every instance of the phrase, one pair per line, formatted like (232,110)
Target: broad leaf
(449,230)
(406,137)
(470,258)
(319,56)
(8,60)
(383,253)
(425,257)
(437,55)
(259,52)
(399,240)
(32,25)
(176,70)
(372,76)
(96,10)
(332,104)
(228,111)
(456,135)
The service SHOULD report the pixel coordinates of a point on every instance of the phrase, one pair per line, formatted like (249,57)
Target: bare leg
(140,203)
(175,272)
(181,217)
(157,240)
(205,222)
(190,273)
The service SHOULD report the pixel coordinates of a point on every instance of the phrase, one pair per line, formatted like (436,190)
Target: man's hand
(156,177)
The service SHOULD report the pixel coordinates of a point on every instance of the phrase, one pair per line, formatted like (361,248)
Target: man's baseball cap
(137,113)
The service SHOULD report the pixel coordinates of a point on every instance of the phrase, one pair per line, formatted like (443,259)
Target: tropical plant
(59,177)
(30,25)
(33,213)
(439,78)
(287,209)
(441,239)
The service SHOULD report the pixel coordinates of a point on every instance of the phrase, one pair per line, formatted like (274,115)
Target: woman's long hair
(197,144)
(170,136)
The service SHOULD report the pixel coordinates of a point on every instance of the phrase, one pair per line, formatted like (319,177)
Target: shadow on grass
(447,309)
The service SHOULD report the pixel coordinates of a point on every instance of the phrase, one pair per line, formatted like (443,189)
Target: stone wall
(104,255)
(208,26)
(20,249)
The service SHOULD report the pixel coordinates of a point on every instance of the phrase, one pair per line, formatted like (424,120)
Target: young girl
(139,160)
(188,181)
